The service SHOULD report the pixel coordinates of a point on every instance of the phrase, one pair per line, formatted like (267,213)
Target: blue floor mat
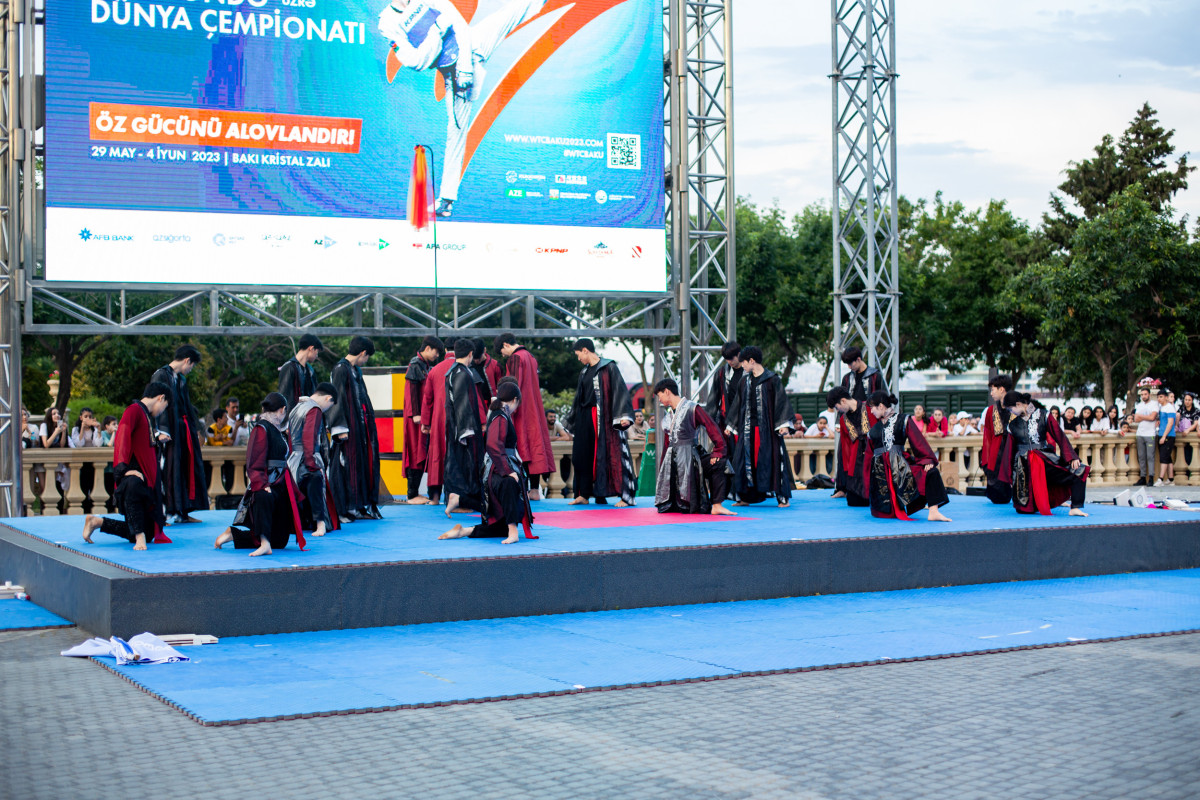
(302,674)
(20,614)
(409,533)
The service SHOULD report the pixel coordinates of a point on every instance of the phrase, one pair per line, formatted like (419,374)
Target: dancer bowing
(506,503)
(902,482)
(860,381)
(1040,477)
(854,445)
(139,492)
(533,435)
(308,459)
(690,479)
(416,444)
(995,439)
(759,416)
(465,406)
(270,510)
(601,413)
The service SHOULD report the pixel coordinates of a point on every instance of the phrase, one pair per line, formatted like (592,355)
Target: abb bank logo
(557,250)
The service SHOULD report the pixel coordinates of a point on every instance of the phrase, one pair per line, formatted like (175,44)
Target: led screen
(270,142)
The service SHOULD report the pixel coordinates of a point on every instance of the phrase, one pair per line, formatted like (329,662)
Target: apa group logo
(87,235)
(600,250)
(452,246)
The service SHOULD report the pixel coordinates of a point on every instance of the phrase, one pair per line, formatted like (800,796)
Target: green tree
(784,283)
(1139,156)
(1121,305)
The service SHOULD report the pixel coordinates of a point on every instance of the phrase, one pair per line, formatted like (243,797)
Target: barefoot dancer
(308,460)
(759,415)
(1041,478)
(139,493)
(506,502)
(690,480)
(854,445)
(465,415)
(902,483)
(270,510)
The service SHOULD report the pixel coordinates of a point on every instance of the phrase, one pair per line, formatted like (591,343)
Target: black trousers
(413,477)
(935,488)
(718,481)
(316,506)
(138,502)
(270,516)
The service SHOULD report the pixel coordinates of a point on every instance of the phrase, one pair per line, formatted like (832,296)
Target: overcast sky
(993,98)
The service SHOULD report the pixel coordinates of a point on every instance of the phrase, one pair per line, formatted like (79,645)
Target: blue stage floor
(409,533)
(304,674)
(21,614)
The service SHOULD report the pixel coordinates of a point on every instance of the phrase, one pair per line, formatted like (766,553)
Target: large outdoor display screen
(270,142)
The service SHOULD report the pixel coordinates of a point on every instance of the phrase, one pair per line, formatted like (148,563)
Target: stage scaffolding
(866,238)
(686,325)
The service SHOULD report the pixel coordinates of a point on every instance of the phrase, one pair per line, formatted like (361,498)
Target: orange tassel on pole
(420,192)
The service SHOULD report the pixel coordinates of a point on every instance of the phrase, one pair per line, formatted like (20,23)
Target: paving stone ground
(1105,720)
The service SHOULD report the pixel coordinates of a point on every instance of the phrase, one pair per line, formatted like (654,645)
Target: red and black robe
(995,443)
(600,451)
(900,483)
(1041,478)
(759,410)
(354,467)
(184,480)
(860,385)
(135,448)
(274,514)
(533,435)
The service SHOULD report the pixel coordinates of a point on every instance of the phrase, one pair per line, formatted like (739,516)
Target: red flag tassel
(419,191)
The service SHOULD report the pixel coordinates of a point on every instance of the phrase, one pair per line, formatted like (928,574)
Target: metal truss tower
(866,264)
(698,66)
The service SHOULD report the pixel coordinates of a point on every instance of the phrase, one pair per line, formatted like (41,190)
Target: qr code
(624,151)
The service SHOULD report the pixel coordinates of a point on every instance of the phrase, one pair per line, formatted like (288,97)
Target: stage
(395,571)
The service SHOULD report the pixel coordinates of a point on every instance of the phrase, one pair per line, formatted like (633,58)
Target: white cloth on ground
(145,648)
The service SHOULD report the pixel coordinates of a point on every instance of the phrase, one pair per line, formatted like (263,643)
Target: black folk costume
(687,483)
(900,484)
(854,461)
(274,514)
(416,444)
(140,500)
(995,444)
(505,501)
(464,436)
(354,459)
(600,452)
(1041,478)
(308,460)
(860,385)
(185,482)
(296,380)
(724,386)
(760,463)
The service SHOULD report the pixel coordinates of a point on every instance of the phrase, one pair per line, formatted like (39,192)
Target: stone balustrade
(1113,460)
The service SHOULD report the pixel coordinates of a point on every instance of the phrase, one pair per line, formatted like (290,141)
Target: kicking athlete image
(432,34)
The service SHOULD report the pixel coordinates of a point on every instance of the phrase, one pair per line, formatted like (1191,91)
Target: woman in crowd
(1056,412)
(938,425)
(270,510)
(918,415)
(30,437)
(1114,419)
(505,503)
(1042,478)
(55,432)
(1189,416)
(902,482)
(1068,421)
(1085,420)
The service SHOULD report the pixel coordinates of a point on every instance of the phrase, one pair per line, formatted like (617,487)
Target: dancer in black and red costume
(269,514)
(139,482)
(903,479)
(506,502)
(1041,477)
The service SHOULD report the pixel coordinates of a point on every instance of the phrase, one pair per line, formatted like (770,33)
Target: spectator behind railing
(29,434)
(937,425)
(54,434)
(108,431)
(1189,416)
(966,426)
(1056,412)
(918,415)
(1085,420)
(820,431)
(1070,423)
(87,433)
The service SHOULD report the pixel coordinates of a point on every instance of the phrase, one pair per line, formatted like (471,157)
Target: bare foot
(623,504)
(264,549)
(578,501)
(226,536)
(139,542)
(90,523)
(457,532)
(721,511)
(513,535)
(451,504)
(783,505)
(1077,512)
(937,516)
(320,531)
(535,495)
(839,494)
(741,503)
(418,501)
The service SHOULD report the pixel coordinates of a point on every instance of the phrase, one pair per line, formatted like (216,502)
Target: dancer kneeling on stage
(854,446)
(690,480)
(139,492)
(902,483)
(506,502)
(309,459)
(1041,478)
(270,510)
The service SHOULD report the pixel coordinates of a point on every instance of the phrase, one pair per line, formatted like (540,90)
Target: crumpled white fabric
(145,648)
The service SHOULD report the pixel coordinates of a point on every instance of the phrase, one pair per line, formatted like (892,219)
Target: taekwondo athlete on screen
(428,34)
